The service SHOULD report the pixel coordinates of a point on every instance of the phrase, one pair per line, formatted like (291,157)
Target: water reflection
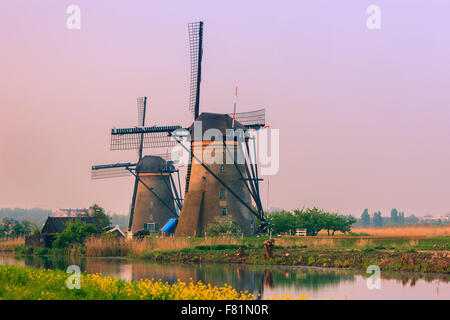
(267,281)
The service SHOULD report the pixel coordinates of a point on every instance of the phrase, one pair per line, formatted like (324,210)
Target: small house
(51,228)
(57,225)
(115,231)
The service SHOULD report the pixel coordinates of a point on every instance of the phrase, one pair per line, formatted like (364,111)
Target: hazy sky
(363,114)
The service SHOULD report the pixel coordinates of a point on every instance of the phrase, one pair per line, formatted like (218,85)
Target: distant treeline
(36,215)
(397,218)
(39,216)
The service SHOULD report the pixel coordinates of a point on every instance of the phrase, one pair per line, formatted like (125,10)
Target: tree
(411,219)
(313,220)
(394,216)
(282,221)
(335,222)
(102,219)
(330,222)
(401,218)
(365,218)
(377,219)
(344,224)
(17,229)
(14,228)
(74,233)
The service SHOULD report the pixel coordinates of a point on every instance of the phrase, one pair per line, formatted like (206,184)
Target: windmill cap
(150,164)
(218,121)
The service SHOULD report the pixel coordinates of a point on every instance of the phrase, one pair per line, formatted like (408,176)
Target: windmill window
(224,212)
(222,194)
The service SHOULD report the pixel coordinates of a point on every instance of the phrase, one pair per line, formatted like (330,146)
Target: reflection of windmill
(155,191)
(212,190)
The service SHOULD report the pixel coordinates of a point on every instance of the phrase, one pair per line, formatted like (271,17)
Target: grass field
(10,245)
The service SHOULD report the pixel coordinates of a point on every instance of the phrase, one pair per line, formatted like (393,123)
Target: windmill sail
(251,119)
(196,51)
(149,137)
(111,170)
(141,106)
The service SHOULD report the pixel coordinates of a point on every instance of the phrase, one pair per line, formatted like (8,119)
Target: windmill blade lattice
(251,119)
(111,171)
(153,137)
(196,50)
(141,110)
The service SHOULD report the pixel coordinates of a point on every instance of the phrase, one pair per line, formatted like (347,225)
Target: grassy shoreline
(423,262)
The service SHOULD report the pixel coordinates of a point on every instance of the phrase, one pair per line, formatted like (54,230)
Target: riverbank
(25,283)
(387,260)
(425,255)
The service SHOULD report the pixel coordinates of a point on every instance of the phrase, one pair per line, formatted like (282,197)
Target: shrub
(75,233)
(223,227)
(102,219)
(41,251)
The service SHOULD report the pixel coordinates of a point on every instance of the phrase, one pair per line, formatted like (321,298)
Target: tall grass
(106,247)
(311,242)
(361,243)
(101,247)
(428,231)
(9,245)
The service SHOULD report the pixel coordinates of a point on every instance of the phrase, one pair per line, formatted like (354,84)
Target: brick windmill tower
(222,174)
(155,198)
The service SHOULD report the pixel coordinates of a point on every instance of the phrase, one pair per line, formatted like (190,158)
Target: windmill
(155,196)
(212,190)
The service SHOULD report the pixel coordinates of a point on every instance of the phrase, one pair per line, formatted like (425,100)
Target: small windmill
(155,198)
(211,191)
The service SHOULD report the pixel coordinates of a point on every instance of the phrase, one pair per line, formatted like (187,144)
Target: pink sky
(363,115)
